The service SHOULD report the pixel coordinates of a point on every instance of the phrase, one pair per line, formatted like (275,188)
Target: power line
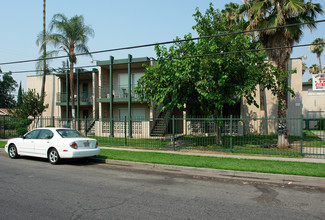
(52,69)
(166,42)
(187,57)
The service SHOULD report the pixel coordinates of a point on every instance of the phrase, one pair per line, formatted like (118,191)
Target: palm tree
(44,53)
(318,48)
(231,13)
(314,69)
(71,35)
(274,13)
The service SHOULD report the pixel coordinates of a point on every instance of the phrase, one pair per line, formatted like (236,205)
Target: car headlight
(74,145)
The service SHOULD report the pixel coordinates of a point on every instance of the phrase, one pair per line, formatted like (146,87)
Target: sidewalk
(242,177)
(211,154)
(224,175)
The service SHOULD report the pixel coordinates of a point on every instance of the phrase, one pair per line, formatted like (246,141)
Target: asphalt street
(32,188)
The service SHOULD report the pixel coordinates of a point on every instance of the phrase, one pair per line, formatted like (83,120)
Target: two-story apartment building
(103,97)
(108,104)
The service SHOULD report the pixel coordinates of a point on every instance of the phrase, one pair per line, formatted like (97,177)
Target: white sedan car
(52,143)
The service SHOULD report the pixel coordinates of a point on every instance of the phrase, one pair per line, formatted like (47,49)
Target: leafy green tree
(70,35)
(318,48)
(31,105)
(7,87)
(274,13)
(188,75)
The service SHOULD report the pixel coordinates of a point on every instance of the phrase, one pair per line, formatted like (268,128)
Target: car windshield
(69,133)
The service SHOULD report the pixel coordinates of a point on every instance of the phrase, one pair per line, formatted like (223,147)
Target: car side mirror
(22,136)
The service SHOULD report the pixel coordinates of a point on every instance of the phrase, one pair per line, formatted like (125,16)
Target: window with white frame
(123,83)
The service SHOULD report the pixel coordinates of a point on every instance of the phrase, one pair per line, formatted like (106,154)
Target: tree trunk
(283,141)
(72,95)
(44,53)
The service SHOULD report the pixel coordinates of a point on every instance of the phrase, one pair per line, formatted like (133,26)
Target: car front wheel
(53,156)
(12,151)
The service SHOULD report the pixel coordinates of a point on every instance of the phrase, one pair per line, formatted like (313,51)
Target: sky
(117,23)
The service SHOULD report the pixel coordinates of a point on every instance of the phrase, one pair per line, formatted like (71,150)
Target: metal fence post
(4,127)
(231,133)
(301,135)
(85,126)
(53,121)
(125,131)
(173,132)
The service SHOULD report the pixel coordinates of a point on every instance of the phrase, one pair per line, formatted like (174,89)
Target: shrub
(321,124)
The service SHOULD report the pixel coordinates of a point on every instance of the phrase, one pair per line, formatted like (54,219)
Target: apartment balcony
(120,94)
(85,98)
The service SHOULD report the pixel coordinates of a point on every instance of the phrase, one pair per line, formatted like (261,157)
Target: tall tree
(189,77)
(44,53)
(318,48)
(7,87)
(72,36)
(314,69)
(20,95)
(31,105)
(274,13)
(231,13)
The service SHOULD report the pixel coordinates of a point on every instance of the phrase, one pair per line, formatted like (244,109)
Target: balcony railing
(84,97)
(119,92)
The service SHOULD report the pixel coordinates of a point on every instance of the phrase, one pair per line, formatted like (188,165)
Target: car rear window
(69,133)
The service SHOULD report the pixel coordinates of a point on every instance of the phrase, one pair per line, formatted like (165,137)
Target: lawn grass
(249,143)
(253,165)
(118,141)
(2,144)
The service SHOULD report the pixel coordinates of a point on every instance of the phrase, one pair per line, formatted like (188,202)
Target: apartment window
(136,113)
(123,83)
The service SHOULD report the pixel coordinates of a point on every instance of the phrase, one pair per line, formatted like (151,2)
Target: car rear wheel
(12,151)
(53,156)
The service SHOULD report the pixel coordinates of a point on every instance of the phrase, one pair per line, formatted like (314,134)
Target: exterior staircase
(91,122)
(161,124)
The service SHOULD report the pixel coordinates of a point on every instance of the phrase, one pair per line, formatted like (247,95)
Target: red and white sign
(319,82)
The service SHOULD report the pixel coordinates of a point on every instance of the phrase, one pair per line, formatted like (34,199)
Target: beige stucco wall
(313,102)
(51,86)
(294,111)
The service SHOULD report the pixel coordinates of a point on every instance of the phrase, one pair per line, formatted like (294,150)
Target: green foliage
(31,105)
(321,124)
(314,69)
(13,127)
(201,77)
(20,96)
(318,48)
(263,14)
(71,35)
(7,87)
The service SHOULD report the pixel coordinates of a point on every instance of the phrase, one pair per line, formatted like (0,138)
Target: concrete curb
(222,175)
